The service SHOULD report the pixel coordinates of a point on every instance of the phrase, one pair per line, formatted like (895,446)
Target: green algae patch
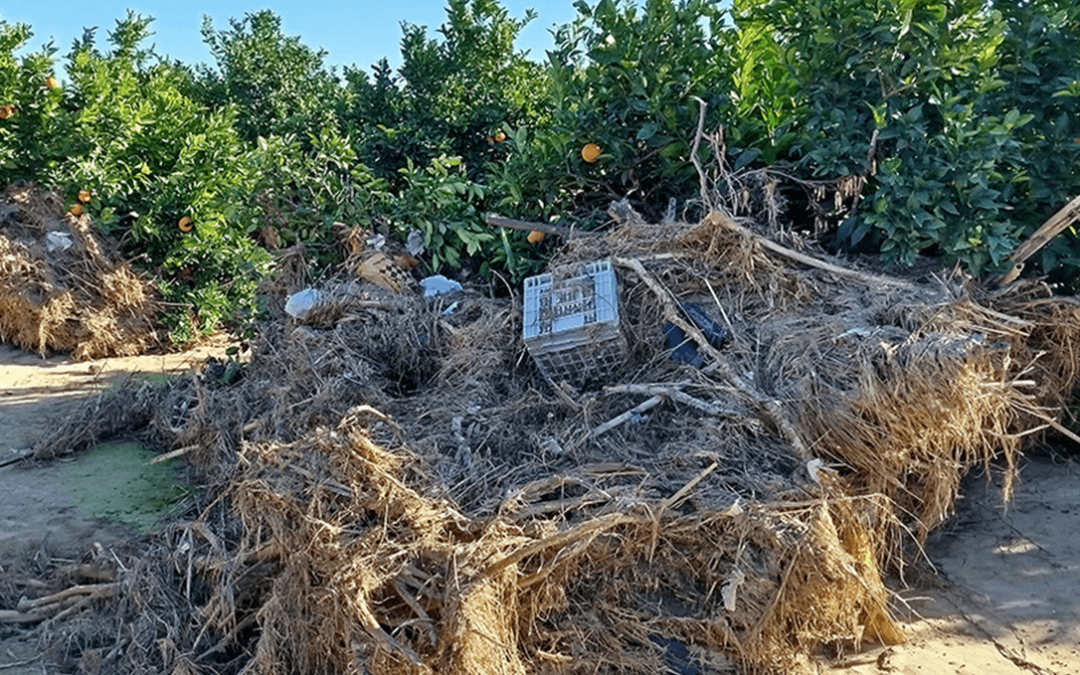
(116,481)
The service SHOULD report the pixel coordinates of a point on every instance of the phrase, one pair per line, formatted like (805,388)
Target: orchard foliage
(956,123)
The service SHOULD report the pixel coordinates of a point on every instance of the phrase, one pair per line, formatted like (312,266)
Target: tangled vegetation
(896,127)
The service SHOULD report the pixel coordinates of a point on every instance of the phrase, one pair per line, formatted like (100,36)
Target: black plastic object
(682,349)
(714,332)
(677,656)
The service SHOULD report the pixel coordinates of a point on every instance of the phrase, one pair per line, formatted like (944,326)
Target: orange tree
(126,129)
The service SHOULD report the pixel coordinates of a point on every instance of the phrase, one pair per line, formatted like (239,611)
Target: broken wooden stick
(58,604)
(20,455)
(673,393)
(616,421)
(1040,238)
(529,226)
(180,452)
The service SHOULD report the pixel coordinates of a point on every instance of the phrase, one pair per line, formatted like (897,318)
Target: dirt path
(1007,601)
(54,513)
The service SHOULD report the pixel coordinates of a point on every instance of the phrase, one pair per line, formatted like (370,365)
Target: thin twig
(808,260)
(5,666)
(529,226)
(385,640)
(229,637)
(414,605)
(596,526)
(671,501)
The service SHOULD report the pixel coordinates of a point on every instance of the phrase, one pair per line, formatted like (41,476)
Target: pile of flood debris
(391,484)
(63,286)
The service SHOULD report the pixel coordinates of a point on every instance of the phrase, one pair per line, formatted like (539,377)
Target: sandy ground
(1006,599)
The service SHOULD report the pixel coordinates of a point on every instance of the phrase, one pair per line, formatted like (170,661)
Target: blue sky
(352,33)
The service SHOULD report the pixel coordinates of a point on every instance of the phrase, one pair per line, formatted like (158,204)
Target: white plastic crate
(571,325)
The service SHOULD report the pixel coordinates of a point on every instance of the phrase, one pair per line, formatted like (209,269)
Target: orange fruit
(52,82)
(185,224)
(76,210)
(500,137)
(84,196)
(6,111)
(590,152)
(491,139)
(535,237)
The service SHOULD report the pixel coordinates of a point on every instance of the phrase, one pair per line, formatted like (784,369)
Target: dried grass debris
(62,288)
(392,488)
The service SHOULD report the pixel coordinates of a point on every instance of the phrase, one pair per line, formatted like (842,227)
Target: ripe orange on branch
(84,196)
(185,224)
(590,152)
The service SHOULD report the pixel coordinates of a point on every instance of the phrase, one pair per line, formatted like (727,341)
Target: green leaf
(648,131)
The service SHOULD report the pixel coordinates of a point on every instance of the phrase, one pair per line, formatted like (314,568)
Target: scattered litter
(439,285)
(300,304)
(383,271)
(730,589)
(376,242)
(414,243)
(713,332)
(58,241)
(682,349)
